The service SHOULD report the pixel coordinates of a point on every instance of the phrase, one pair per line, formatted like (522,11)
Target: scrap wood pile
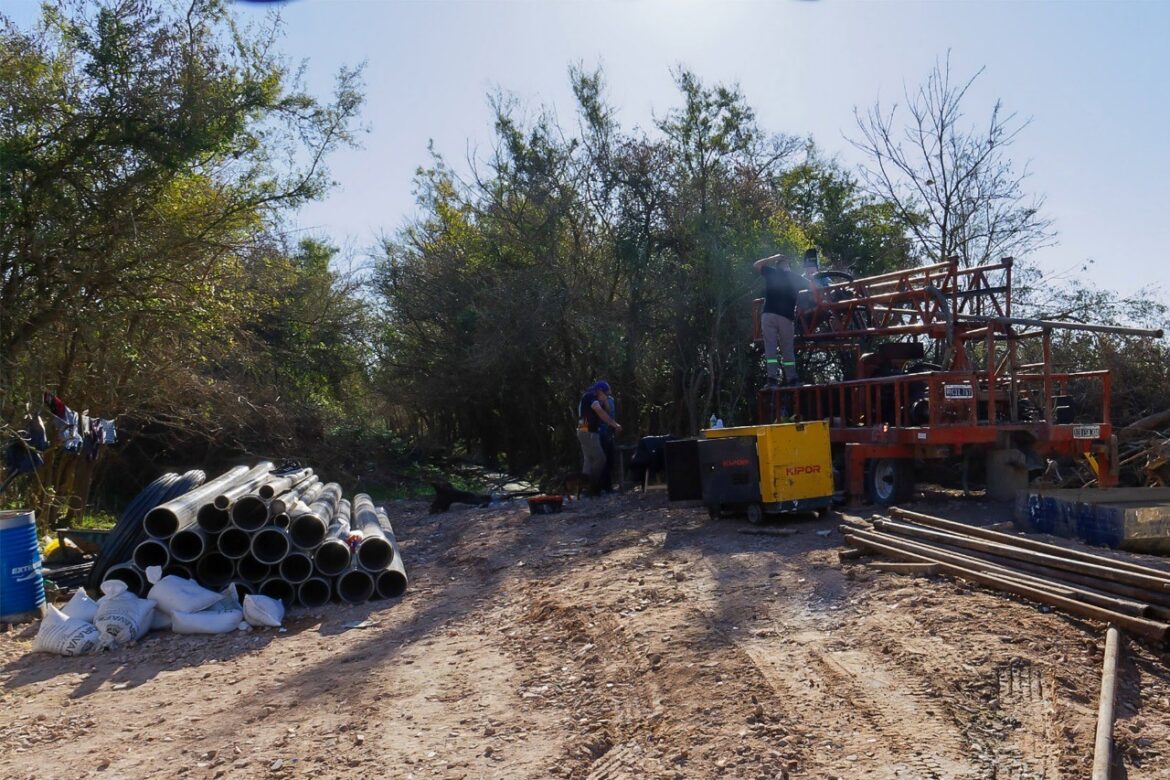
(279,532)
(1143,457)
(1133,597)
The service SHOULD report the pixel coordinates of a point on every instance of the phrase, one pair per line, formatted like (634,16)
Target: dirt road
(624,638)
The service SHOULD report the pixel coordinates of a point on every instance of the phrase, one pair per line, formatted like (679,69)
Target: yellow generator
(760,469)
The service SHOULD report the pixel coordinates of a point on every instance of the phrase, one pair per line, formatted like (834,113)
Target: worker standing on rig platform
(781,287)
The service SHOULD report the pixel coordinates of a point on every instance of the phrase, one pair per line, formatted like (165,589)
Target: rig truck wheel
(755,514)
(888,481)
(714,512)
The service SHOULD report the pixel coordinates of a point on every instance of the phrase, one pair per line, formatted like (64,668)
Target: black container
(682,470)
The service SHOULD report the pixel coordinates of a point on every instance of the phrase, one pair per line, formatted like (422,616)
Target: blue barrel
(22,591)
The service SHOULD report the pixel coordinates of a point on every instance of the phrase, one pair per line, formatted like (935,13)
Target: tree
(953,186)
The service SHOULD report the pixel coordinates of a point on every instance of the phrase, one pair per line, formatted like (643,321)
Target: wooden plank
(926,569)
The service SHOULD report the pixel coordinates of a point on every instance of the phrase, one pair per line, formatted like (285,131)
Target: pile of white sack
(176,603)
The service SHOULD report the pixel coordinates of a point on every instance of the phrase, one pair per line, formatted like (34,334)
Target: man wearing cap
(592,412)
(781,288)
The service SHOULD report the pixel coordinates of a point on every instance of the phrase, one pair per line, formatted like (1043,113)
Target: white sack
(179,594)
(81,606)
(263,611)
(64,635)
(219,618)
(121,616)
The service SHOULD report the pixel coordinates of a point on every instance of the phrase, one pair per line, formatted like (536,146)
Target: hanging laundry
(109,433)
(19,458)
(55,405)
(34,427)
(91,436)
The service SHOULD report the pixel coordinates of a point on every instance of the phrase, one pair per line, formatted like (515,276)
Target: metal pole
(163,521)
(1062,325)
(1103,748)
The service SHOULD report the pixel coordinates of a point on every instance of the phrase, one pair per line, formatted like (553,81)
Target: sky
(1092,77)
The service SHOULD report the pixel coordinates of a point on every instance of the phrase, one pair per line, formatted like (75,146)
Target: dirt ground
(625,637)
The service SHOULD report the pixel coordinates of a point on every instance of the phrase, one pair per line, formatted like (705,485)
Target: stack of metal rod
(1129,595)
(278,532)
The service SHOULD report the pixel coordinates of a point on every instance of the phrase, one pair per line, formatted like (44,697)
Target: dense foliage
(591,251)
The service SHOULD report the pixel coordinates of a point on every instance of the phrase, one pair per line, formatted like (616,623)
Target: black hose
(128,532)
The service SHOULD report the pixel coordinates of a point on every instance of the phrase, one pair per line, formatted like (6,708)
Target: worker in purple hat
(592,413)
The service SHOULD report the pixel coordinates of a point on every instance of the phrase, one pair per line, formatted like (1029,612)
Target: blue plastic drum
(22,591)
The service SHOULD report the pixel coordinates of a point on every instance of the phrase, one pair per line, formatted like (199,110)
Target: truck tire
(755,514)
(888,481)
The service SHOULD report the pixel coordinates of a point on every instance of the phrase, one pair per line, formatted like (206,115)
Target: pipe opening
(314,592)
(391,584)
(211,519)
(307,530)
(249,513)
(234,543)
(152,552)
(281,521)
(187,545)
(355,586)
(332,557)
(278,589)
(267,492)
(296,568)
(129,574)
(214,570)
(161,523)
(374,553)
(270,545)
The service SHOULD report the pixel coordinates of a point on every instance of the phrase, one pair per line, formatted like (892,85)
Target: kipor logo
(727,464)
(795,471)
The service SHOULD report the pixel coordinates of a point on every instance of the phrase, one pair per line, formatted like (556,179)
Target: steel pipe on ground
(332,557)
(374,552)
(1103,745)
(284,501)
(308,529)
(274,487)
(1026,543)
(276,588)
(260,473)
(152,552)
(129,574)
(296,567)
(251,570)
(312,492)
(270,544)
(188,545)
(1150,629)
(214,570)
(315,592)
(354,586)
(234,542)
(1153,583)
(1156,601)
(164,520)
(391,582)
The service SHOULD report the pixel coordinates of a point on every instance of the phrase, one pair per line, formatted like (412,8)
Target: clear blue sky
(1094,78)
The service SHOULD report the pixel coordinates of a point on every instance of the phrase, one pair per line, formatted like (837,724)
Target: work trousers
(779,346)
(593,458)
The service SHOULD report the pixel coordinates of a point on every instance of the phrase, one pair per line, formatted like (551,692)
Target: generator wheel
(823,511)
(888,481)
(755,514)
(714,512)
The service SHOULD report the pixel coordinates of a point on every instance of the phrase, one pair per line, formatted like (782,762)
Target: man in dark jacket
(781,288)
(592,412)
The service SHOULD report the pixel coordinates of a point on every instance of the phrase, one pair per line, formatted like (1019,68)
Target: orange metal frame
(874,417)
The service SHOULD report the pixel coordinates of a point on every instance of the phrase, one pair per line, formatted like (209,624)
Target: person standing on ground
(781,287)
(607,435)
(592,412)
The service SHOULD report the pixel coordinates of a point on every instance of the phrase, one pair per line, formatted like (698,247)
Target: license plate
(1086,431)
(958,391)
